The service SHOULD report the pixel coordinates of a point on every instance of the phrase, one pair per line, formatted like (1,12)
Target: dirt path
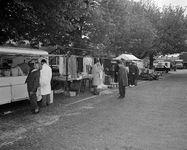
(153,116)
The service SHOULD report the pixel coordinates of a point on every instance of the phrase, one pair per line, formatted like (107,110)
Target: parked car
(162,68)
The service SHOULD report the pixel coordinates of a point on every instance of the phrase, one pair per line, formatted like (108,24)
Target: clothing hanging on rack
(64,65)
(61,65)
(72,67)
(79,64)
(87,64)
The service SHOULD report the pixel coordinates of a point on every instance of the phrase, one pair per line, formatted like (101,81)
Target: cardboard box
(72,93)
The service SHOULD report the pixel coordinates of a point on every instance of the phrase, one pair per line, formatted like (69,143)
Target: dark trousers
(45,100)
(136,82)
(122,90)
(132,79)
(33,101)
(95,91)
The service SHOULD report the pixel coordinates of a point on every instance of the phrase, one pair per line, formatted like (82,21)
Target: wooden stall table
(86,78)
(81,82)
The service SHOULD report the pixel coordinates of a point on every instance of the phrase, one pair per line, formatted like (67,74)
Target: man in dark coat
(116,69)
(123,80)
(32,85)
(133,74)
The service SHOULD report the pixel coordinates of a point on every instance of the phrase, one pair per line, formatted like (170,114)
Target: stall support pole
(66,83)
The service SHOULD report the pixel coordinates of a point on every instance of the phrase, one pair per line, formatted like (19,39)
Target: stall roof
(128,57)
(21,51)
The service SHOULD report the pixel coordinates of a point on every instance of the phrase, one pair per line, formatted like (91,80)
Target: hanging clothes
(87,64)
(61,65)
(79,64)
(64,65)
(72,67)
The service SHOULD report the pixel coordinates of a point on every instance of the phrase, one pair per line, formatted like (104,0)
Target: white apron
(45,79)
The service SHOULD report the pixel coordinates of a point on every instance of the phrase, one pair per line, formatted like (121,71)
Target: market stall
(14,70)
(130,58)
(69,71)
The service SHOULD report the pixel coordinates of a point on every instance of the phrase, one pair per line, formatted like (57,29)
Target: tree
(170,28)
(173,30)
(50,22)
(15,21)
(132,32)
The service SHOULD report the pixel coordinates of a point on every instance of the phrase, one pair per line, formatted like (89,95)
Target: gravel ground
(153,116)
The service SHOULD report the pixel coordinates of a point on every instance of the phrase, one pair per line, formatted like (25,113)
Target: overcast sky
(182,3)
(160,3)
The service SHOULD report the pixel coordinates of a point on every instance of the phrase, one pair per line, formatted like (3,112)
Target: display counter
(13,89)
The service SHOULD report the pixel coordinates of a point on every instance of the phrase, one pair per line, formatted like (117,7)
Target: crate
(72,93)
(114,85)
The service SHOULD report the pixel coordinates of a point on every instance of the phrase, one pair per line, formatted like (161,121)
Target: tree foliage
(117,26)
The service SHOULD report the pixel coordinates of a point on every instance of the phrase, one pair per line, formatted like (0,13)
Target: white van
(12,86)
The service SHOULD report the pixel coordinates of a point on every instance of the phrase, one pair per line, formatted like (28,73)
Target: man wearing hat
(133,74)
(122,79)
(32,85)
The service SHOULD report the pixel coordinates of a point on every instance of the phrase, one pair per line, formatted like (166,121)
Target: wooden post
(66,84)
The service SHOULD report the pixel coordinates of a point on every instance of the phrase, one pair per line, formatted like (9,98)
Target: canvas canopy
(127,57)
(21,51)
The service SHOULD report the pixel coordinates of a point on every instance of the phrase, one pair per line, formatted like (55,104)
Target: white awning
(127,57)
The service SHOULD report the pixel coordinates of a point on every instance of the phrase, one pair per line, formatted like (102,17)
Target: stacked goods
(14,72)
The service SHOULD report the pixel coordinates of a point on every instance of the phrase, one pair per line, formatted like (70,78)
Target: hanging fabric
(87,64)
(79,64)
(72,67)
(61,65)
(64,65)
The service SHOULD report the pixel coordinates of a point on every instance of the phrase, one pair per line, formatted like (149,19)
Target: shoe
(35,111)
(120,97)
(130,85)
(42,106)
(133,85)
(32,111)
(96,93)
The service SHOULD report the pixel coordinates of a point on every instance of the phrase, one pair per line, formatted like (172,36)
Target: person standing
(96,76)
(136,74)
(116,69)
(45,82)
(133,74)
(122,79)
(32,85)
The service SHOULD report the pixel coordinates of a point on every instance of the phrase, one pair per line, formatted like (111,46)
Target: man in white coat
(45,82)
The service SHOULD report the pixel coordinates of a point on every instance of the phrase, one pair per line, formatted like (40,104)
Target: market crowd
(124,75)
(40,75)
